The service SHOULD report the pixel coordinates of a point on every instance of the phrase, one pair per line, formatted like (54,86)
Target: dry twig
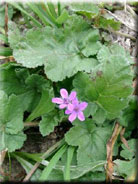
(110,146)
(6,19)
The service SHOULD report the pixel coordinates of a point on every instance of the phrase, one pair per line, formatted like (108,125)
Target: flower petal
(64,93)
(70,107)
(81,116)
(72,117)
(83,105)
(62,106)
(72,95)
(67,111)
(57,100)
(75,102)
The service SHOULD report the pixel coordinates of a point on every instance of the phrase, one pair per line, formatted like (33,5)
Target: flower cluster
(73,107)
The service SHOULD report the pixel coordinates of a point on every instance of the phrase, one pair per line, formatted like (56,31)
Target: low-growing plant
(63,71)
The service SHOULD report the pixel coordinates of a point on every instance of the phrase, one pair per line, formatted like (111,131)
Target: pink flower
(75,110)
(65,99)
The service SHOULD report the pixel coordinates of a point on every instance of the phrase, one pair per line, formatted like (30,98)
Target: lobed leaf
(45,105)
(11,122)
(91,141)
(90,10)
(124,168)
(63,52)
(110,85)
(131,152)
(49,121)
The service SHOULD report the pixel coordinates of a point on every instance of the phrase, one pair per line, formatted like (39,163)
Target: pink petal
(72,95)
(72,117)
(70,107)
(67,111)
(64,93)
(62,106)
(57,100)
(83,105)
(75,102)
(81,116)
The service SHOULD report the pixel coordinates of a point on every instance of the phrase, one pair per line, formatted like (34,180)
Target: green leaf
(9,82)
(47,14)
(5,51)
(31,156)
(90,10)
(63,17)
(66,44)
(52,9)
(70,152)
(53,161)
(12,81)
(91,140)
(82,169)
(37,81)
(128,116)
(13,141)
(91,109)
(97,113)
(11,122)
(45,105)
(16,79)
(11,114)
(114,50)
(55,175)
(124,168)
(109,86)
(107,23)
(93,176)
(49,121)
(99,116)
(129,153)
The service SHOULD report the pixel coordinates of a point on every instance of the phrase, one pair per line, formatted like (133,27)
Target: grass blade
(59,9)
(52,163)
(37,23)
(52,9)
(27,167)
(35,9)
(5,51)
(44,156)
(63,17)
(48,14)
(69,159)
